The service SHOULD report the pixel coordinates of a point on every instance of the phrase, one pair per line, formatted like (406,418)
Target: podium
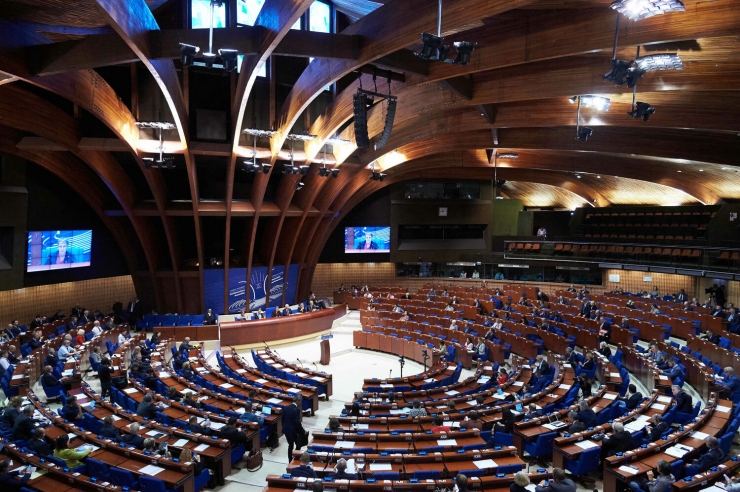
(325,353)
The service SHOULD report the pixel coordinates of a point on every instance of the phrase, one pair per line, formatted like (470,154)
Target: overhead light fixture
(630,72)
(187,54)
(338,141)
(299,185)
(303,170)
(433,49)
(376,176)
(324,172)
(161,162)
(642,111)
(254,166)
(507,155)
(642,9)
(590,101)
(335,172)
(229,58)
(290,169)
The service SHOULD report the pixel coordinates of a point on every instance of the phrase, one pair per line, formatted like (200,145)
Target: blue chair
(427,474)
(678,469)
(202,480)
(506,469)
(387,476)
(94,365)
(478,472)
(97,469)
(52,392)
(149,484)
(503,439)
(237,453)
(725,442)
(587,463)
(542,446)
(123,478)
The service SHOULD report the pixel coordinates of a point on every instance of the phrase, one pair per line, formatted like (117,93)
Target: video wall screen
(367,239)
(54,250)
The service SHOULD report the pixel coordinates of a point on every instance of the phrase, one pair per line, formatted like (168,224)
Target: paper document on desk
(294,390)
(518,383)
(151,470)
(564,386)
(396,411)
(614,374)
(722,408)
(663,377)
(714,488)
(201,448)
(261,381)
(275,401)
(130,390)
(658,406)
(68,372)
(678,451)
(429,380)
(485,464)
(217,425)
(386,385)
(610,396)
(241,371)
(498,396)
(452,392)
(587,444)
(201,369)
(18,376)
(628,469)
(699,435)
(552,427)
(361,426)
(531,487)
(381,467)
(180,443)
(344,444)
(446,442)
(664,399)
(165,375)
(226,385)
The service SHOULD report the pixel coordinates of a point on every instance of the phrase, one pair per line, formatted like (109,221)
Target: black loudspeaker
(211,125)
(360,107)
(389,116)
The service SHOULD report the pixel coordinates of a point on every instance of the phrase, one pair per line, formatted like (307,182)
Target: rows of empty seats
(681,224)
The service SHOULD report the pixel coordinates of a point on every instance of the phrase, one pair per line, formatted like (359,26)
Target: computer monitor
(519,407)
(267,410)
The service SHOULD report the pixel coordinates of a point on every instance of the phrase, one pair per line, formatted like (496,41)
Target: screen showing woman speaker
(54,250)
(367,239)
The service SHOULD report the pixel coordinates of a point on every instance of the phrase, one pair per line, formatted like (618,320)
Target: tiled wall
(99,293)
(733,292)
(632,281)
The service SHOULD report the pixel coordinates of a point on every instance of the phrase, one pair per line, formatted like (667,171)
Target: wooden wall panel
(99,293)
(733,292)
(632,281)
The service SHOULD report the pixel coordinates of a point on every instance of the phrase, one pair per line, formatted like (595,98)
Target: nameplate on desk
(664,399)
(446,442)
(327,336)
(130,390)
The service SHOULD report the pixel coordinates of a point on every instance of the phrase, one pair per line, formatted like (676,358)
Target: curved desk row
(268,330)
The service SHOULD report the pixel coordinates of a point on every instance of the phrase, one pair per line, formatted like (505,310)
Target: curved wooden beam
(276,18)
(133,20)
(25,111)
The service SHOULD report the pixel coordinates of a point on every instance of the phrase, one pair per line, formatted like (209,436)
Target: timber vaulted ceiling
(76,76)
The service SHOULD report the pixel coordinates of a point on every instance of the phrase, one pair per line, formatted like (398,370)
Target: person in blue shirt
(65,350)
(586,415)
(731,382)
(72,410)
(712,457)
(248,416)
(304,469)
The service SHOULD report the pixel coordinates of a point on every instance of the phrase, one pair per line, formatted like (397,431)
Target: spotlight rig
(324,171)
(376,175)
(588,101)
(229,57)
(161,162)
(642,9)
(254,165)
(292,168)
(433,49)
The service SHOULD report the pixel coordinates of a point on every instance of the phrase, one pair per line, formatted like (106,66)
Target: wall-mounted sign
(443,211)
(503,265)
(614,277)
(647,278)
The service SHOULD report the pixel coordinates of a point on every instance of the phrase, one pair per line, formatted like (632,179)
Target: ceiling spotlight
(258,133)
(430,48)
(376,176)
(229,57)
(187,54)
(629,72)
(266,168)
(583,133)
(251,166)
(642,9)
(208,59)
(299,185)
(303,170)
(162,162)
(338,141)
(590,101)
(324,172)
(659,61)
(335,173)
(642,111)
(464,49)
(288,169)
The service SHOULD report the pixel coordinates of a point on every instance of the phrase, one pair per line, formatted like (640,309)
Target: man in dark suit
(630,400)
(72,323)
(77,310)
(731,383)
(292,428)
(682,400)
(37,322)
(85,318)
(38,444)
(134,311)
(682,297)
(132,438)
(304,469)
(341,473)
(572,357)
(117,309)
(48,379)
(210,317)
(586,308)
(285,311)
(618,442)
(61,255)
(259,314)
(195,427)
(586,415)
(657,429)
(605,330)
(542,366)
(147,408)
(109,430)
(712,457)
(24,424)
(232,433)
(577,425)
(185,345)
(13,481)
(368,243)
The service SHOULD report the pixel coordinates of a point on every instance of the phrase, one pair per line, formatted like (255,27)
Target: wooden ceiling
(532,55)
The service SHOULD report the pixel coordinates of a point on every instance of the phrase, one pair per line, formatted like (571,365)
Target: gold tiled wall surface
(733,292)
(99,293)
(632,281)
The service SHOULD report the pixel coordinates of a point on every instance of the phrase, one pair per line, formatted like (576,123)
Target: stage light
(335,173)
(389,117)
(187,54)
(583,133)
(642,111)
(464,49)
(642,9)
(659,61)
(162,162)
(251,166)
(619,73)
(303,170)
(324,172)
(299,185)
(288,169)
(430,48)
(208,59)
(376,176)
(266,168)
(360,120)
(229,58)
(591,101)
(630,72)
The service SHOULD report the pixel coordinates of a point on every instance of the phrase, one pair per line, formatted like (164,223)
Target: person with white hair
(341,471)
(619,442)
(730,382)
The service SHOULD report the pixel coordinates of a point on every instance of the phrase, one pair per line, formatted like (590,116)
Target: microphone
(389,373)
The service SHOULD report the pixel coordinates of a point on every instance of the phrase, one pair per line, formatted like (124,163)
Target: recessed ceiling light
(598,177)
(724,169)
(701,170)
(678,171)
